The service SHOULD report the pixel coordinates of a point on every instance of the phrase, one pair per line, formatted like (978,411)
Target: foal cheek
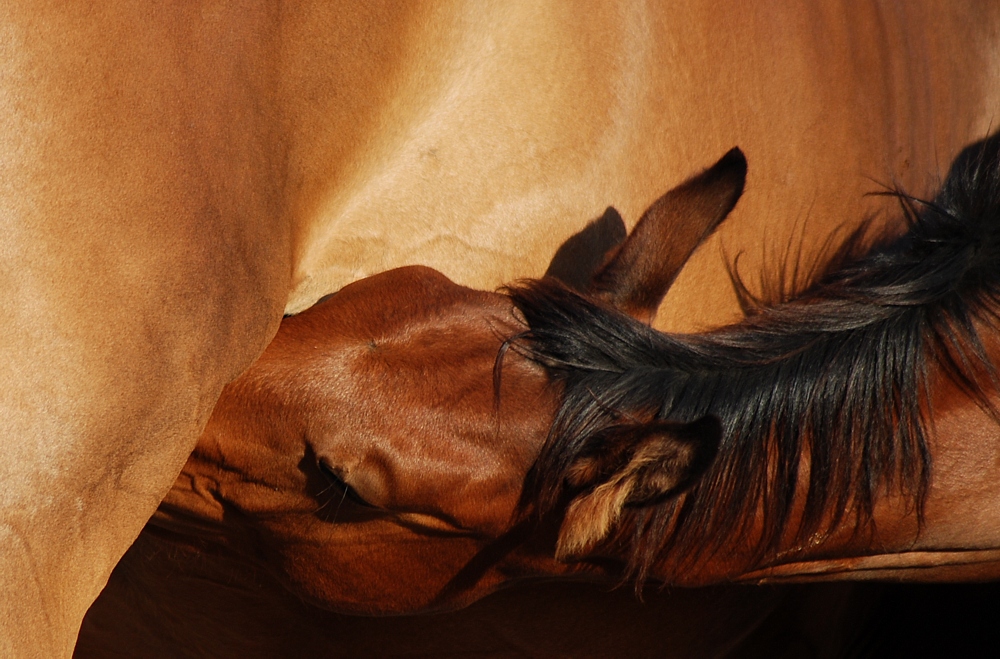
(375,568)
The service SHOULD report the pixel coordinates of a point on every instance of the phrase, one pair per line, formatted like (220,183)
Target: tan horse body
(174,176)
(509,123)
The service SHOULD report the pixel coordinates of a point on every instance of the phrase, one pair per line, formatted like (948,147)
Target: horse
(197,582)
(176,177)
(570,439)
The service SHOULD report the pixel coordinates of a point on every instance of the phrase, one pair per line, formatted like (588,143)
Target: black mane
(841,373)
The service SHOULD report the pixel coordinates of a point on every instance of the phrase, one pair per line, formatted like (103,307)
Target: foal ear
(638,275)
(583,253)
(636,465)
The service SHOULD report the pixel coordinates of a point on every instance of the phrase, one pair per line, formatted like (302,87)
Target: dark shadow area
(932,621)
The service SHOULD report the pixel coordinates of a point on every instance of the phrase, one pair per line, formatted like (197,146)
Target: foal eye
(349,492)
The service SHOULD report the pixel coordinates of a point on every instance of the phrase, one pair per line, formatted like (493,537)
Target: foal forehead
(413,330)
(407,299)
(398,348)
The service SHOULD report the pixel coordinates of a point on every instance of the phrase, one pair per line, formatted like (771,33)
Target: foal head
(374,457)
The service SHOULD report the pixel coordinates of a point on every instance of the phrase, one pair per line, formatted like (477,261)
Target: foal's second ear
(636,465)
(638,275)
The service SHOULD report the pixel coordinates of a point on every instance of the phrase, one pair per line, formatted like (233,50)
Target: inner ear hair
(637,465)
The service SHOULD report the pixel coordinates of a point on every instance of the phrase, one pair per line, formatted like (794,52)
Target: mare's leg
(144,264)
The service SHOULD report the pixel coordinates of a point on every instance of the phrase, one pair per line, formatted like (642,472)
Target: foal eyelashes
(349,492)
